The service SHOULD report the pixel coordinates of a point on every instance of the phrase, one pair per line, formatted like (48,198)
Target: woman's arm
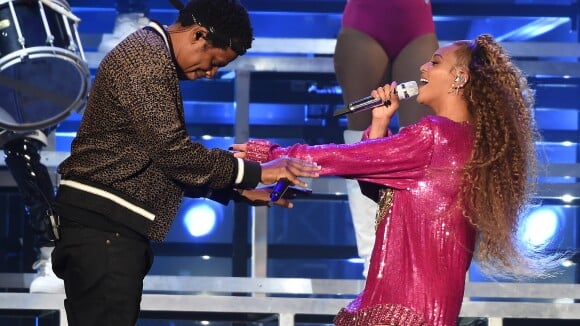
(395,160)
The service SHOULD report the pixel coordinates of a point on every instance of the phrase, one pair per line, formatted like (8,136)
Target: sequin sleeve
(396,160)
(259,150)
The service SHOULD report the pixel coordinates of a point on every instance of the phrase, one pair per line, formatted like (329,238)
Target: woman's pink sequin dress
(423,243)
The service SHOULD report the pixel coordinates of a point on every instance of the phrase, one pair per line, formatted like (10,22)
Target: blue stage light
(356,260)
(200,218)
(541,225)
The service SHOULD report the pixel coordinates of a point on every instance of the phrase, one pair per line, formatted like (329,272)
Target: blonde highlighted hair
(500,178)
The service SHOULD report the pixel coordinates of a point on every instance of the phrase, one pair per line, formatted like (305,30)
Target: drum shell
(45,80)
(32,27)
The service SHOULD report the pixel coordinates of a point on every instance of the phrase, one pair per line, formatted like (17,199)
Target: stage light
(356,260)
(533,29)
(567,263)
(200,219)
(540,226)
(567,198)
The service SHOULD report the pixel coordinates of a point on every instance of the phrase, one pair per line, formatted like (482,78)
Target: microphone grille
(407,89)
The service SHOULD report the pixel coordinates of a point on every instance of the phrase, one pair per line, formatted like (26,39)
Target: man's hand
(282,168)
(289,168)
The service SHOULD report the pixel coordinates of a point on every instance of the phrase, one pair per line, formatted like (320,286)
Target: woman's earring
(455,87)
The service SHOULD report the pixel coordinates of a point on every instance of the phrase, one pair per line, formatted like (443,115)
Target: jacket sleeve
(149,90)
(222,196)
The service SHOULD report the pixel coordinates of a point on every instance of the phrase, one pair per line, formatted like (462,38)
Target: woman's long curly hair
(499,180)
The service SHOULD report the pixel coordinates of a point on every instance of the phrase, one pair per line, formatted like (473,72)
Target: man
(132,160)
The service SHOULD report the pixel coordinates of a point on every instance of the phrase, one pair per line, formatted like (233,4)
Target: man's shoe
(45,281)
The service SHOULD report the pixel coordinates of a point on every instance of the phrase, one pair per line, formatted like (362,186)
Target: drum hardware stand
(17,25)
(49,36)
(72,46)
(60,10)
(80,45)
(65,14)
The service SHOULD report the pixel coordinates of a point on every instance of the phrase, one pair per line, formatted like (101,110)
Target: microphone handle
(403,91)
(365,103)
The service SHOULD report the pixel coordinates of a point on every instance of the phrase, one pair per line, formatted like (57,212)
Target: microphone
(279,189)
(403,90)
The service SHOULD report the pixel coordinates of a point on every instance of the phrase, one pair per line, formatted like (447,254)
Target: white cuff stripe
(240,175)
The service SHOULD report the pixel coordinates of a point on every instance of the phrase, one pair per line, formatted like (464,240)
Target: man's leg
(103,274)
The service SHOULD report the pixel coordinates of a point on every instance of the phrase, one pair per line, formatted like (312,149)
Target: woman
(449,187)
(368,54)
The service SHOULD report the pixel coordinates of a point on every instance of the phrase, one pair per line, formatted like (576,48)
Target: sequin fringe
(385,204)
(385,314)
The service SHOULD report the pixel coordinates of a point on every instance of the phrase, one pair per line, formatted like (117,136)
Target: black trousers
(103,274)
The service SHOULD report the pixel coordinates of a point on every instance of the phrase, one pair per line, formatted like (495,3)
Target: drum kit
(44,75)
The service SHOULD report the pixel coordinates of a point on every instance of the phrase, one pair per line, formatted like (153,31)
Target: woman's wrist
(379,128)
(258,150)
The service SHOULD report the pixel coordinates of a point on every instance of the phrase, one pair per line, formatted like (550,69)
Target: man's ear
(198,34)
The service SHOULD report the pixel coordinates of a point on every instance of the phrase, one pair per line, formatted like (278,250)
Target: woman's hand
(382,114)
(239,150)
